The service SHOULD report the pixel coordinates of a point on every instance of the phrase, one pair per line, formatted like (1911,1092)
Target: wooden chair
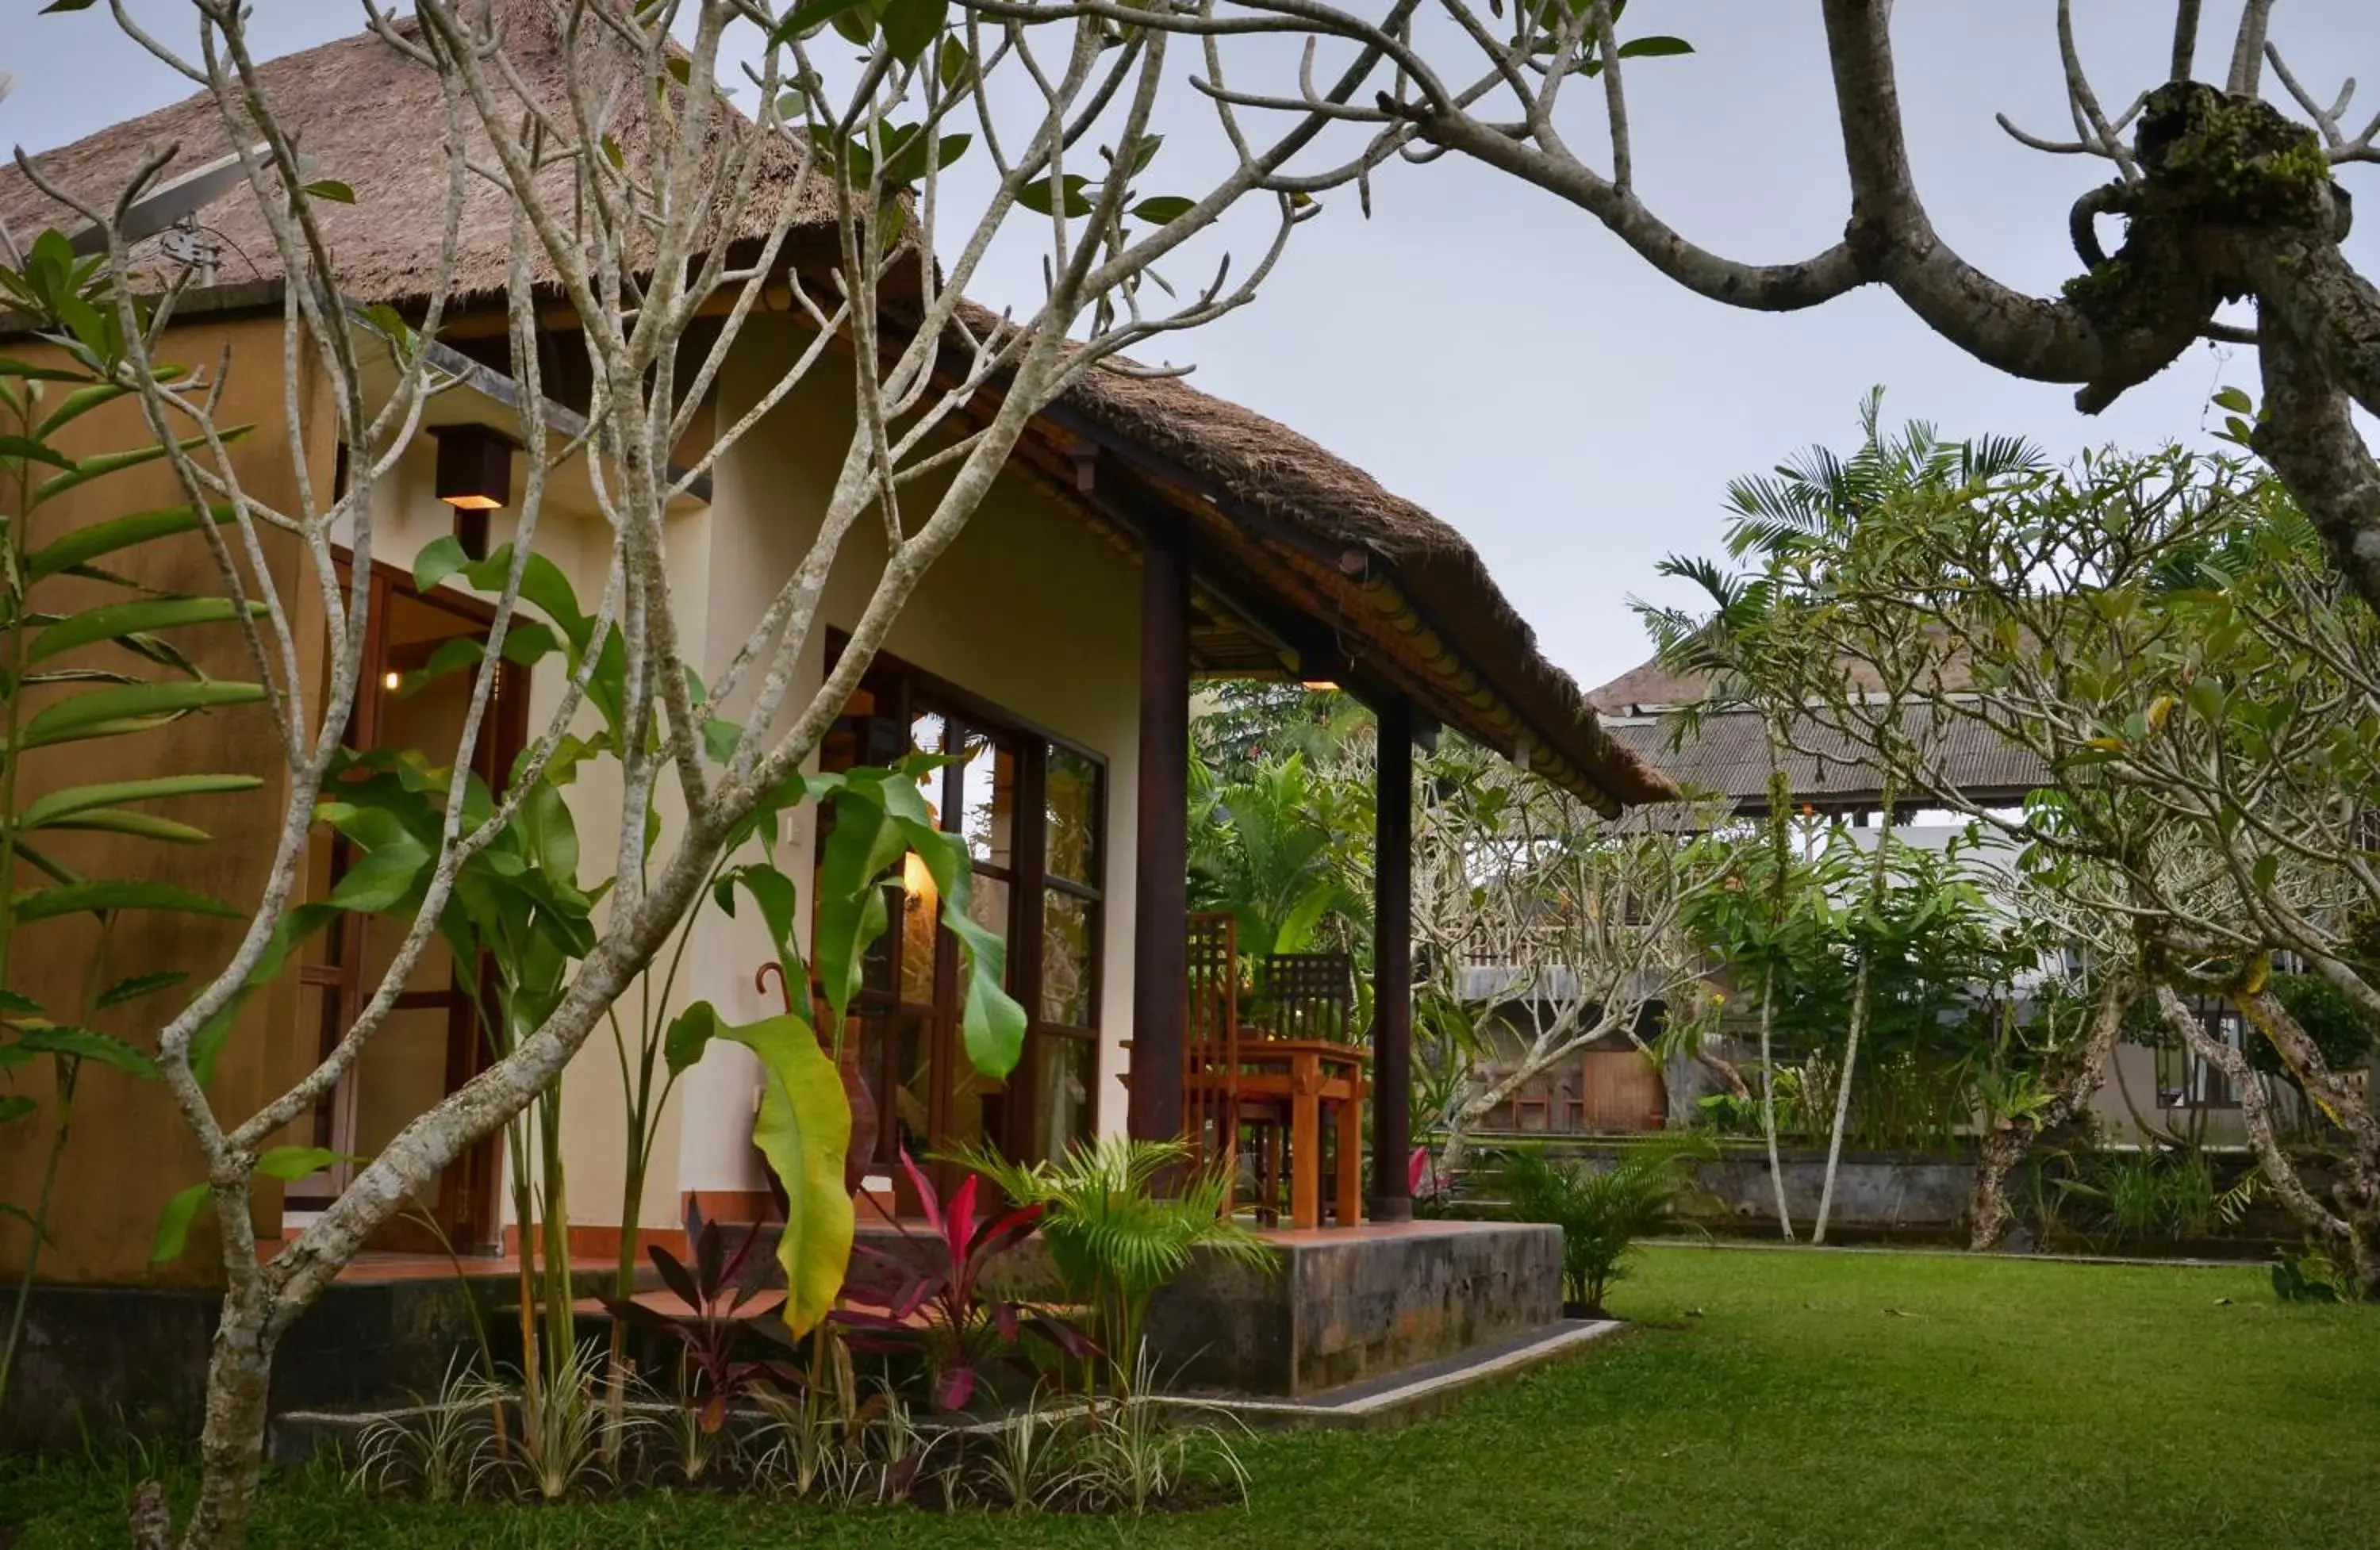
(1210,1035)
(1305,996)
(1310,996)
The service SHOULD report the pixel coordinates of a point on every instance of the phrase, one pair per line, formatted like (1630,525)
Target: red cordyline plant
(934,1306)
(718,1336)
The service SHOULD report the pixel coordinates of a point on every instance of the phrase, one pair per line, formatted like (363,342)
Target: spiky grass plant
(443,1451)
(1121,1218)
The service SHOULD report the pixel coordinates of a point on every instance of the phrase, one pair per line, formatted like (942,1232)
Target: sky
(1491,351)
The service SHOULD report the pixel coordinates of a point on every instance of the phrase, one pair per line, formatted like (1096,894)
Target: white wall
(1030,609)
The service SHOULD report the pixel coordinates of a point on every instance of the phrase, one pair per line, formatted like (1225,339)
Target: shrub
(1601,1212)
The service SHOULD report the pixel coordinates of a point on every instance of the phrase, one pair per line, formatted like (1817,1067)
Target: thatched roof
(1726,752)
(1438,587)
(366,115)
(1417,604)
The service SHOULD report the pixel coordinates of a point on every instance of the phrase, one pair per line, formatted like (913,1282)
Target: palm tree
(1279,849)
(1121,1218)
(1790,522)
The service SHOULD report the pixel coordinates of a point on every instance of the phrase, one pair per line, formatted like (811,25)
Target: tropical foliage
(1601,1211)
(1121,1218)
(88,652)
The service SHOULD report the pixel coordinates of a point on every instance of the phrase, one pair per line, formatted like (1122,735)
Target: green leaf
(911,26)
(31,450)
(25,370)
(808,18)
(46,810)
(2267,868)
(106,462)
(174,1224)
(56,6)
(331,188)
(76,405)
(87,543)
(132,989)
(116,621)
(955,64)
(803,1129)
(139,826)
(84,1044)
(17,1003)
(439,559)
(1654,47)
(689,1033)
(1157,212)
(1035,196)
(119,893)
(851,912)
(2238,403)
(13,1109)
(552,839)
(290,1164)
(131,707)
(379,879)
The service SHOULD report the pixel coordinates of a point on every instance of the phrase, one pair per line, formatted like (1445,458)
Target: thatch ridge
(1287,475)
(366,115)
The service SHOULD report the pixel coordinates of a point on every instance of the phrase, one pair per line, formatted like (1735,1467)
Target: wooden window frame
(906,692)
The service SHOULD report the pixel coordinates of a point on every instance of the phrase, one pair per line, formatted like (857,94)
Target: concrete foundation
(1339,1307)
(110,1360)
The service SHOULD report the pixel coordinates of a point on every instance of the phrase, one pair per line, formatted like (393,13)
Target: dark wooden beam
(1160,893)
(1393,965)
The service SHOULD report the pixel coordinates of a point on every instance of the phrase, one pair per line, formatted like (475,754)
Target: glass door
(429,1043)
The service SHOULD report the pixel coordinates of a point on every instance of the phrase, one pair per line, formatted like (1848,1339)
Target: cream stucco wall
(1029,609)
(409,516)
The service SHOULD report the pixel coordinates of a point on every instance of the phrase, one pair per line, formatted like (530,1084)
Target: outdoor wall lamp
(475,477)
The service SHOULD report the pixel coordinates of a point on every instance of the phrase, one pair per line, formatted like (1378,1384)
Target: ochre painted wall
(130,1151)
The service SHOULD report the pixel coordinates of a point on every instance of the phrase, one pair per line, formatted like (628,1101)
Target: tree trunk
(1880,878)
(1768,1098)
(2004,1149)
(1987,1208)
(230,1446)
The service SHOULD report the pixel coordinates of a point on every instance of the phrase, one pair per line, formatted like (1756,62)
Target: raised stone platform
(1340,1306)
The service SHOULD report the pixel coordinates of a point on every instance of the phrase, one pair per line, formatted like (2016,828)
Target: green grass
(1771,1399)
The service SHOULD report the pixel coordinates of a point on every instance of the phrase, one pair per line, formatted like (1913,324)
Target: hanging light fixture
(475,477)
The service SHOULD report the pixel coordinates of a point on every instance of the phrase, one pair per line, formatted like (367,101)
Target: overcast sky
(1494,355)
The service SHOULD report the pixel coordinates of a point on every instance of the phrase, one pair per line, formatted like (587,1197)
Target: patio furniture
(1310,996)
(1211,1049)
(1315,1083)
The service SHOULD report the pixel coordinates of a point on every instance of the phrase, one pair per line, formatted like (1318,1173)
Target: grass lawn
(1770,1400)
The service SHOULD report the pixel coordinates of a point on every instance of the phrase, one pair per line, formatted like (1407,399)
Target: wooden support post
(1160,918)
(1392,964)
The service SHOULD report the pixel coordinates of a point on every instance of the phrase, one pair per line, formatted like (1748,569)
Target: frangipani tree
(2161,635)
(1536,917)
(2223,172)
(648,223)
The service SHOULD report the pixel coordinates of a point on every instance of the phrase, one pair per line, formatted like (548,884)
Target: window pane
(988,904)
(920,911)
(1062,1109)
(1067,950)
(1073,816)
(988,799)
(905,1116)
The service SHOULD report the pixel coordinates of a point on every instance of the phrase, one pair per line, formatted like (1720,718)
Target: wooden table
(1304,1074)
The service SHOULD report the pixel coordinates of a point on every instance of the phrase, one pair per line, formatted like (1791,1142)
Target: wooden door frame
(468,1209)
